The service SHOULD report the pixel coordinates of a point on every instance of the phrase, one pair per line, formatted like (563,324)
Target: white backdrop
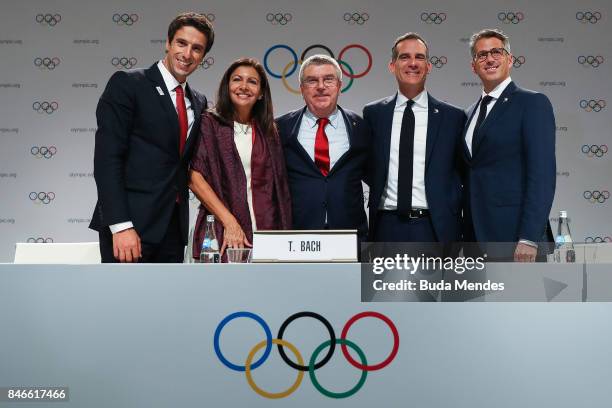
(58,55)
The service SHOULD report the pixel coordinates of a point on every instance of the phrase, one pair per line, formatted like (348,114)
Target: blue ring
(228,319)
(286,47)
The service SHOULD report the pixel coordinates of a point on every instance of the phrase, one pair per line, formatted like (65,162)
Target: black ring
(331,54)
(328,326)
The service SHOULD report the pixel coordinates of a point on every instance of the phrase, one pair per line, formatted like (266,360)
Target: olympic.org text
(426,263)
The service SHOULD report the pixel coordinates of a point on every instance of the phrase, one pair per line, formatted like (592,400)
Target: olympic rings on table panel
(125,18)
(43,151)
(591,60)
(594,150)
(291,67)
(300,365)
(588,16)
(356,18)
(48,63)
(39,240)
(46,107)
(596,196)
(42,197)
(592,105)
(279,18)
(510,17)
(48,19)
(435,18)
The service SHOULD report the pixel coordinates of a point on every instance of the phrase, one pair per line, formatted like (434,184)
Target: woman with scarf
(238,170)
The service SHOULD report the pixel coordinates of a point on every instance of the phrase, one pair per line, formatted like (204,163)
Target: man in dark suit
(148,120)
(326,152)
(509,150)
(415,189)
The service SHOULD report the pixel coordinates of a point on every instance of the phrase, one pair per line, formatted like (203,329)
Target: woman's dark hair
(262,113)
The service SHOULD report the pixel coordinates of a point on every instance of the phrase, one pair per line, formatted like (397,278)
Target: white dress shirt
(420,108)
(495,94)
(243,138)
(335,131)
(171,83)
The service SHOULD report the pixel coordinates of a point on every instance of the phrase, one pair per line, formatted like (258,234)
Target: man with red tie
(326,152)
(148,120)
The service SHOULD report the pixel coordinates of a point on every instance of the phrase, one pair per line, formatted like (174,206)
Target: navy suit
(442,180)
(138,169)
(511,173)
(340,194)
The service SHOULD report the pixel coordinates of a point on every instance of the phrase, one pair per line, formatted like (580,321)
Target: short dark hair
(196,20)
(263,113)
(404,37)
(489,33)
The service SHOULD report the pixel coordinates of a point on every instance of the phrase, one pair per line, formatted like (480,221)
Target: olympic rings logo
(591,60)
(43,151)
(207,62)
(518,62)
(48,63)
(595,150)
(596,196)
(48,19)
(39,240)
(592,105)
(46,107)
(597,240)
(588,16)
(209,16)
(510,17)
(292,66)
(279,18)
(438,62)
(312,365)
(42,197)
(356,18)
(124,62)
(433,18)
(125,19)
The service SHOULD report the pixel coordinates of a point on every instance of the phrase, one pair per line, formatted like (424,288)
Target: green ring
(350,83)
(320,388)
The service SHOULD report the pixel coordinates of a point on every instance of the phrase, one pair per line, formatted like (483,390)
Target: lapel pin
(505,99)
(354,123)
(159,90)
(436,110)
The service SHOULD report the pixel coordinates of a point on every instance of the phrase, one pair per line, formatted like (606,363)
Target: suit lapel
(434,118)
(471,111)
(501,106)
(297,146)
(165,101)
(386,123)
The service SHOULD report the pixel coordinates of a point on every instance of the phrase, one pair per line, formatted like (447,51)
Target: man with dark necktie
(415,187)
(509,152)
(148,120)
(326,153)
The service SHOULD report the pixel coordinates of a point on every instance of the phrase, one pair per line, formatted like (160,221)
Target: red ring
(364,73)
(382,364)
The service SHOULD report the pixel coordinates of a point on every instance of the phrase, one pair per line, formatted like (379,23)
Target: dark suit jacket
(340,194)
(511,174)
(137,165)
(442,180)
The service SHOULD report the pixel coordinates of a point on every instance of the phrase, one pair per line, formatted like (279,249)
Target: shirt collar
(312,119)
(497,91)
(420,100)
(169,80)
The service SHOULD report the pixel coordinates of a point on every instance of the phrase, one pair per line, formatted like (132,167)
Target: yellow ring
(254,386)
(284,78)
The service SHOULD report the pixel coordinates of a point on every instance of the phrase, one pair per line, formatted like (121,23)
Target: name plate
(305,246)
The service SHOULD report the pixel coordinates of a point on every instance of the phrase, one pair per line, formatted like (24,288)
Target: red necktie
(322,147)
(181,109)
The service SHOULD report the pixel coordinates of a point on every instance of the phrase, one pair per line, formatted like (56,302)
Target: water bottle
(210,245)
(564,245)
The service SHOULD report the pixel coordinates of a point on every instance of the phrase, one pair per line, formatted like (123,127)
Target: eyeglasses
(496,53)
(328,82)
